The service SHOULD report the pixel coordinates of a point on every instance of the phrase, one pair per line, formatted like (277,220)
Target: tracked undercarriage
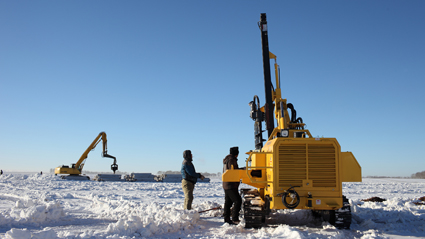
(255,211)
(340,218)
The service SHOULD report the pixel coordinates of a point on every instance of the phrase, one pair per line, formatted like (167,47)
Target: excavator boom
(77,168)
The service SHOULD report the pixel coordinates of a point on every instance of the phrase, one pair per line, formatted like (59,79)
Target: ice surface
(45,206)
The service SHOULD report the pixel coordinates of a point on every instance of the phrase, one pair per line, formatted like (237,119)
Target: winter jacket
(188,170)
(228,161)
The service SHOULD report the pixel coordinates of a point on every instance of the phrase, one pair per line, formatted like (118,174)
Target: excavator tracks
(343,215)
(254,210)
(340,218)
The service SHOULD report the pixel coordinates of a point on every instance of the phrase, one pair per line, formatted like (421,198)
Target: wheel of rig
(253,211)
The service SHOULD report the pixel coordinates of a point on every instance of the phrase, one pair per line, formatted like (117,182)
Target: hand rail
(255,167)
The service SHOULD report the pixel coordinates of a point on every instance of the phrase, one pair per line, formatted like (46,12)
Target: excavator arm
(77,168)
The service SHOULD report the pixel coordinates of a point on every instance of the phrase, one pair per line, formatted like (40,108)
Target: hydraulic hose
(293,112)
(293,196)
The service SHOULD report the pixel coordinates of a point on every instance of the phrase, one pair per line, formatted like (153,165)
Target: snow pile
(40,213)
(25,234)
(153,219)
(29,211)
(287,231)
(211,209)
(392,215)
(45,206)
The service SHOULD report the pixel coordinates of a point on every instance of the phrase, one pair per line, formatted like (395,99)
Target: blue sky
(160,77)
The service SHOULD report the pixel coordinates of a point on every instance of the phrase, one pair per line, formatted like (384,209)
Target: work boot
(236,222)
(227,220)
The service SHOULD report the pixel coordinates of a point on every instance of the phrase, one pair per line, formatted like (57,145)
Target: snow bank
(32,212)
(15,233)
(394,215)
(45,206)
(153,219)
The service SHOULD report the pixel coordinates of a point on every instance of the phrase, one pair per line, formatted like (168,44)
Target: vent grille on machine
(298,162)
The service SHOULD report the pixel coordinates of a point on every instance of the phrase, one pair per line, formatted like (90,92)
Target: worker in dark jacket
(231,193)
(190,176)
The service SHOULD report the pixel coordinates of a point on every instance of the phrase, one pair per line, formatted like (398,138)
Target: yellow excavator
(293,170)
(76,169)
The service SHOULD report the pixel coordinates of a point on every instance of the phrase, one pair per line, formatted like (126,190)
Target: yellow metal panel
(307,183)
(351,170)
(241,175)
(268,147)
(61,170)
(259,160)
(322,164)
(308,159)
(318,203)
(234,175)
(312,166)
(292,164)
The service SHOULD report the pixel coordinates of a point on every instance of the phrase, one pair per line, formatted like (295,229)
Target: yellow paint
(351,170)
(313,166)
(77,168)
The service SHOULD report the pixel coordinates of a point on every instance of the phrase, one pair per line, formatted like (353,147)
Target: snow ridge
(45,206)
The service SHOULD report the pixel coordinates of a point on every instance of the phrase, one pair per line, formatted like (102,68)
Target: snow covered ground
(45,206)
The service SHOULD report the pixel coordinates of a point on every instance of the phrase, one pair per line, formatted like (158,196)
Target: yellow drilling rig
(293,170)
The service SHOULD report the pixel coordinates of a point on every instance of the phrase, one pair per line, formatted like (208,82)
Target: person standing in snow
(231,193)
(189,178)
